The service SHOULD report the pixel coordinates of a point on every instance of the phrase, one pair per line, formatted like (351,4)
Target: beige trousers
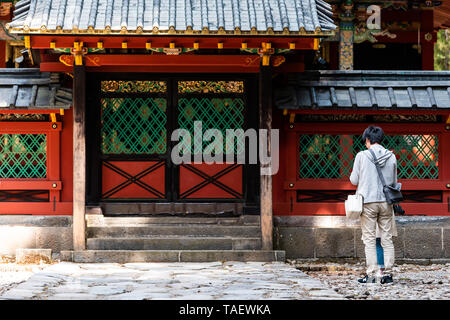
(377,213)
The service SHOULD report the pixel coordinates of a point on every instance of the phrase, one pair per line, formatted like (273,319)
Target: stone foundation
(35,232)
(420,238)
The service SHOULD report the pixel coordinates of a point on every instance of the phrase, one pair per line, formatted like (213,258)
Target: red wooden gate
(137,119)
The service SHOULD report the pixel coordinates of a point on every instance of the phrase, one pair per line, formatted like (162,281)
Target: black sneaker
(387,279)
(367,279)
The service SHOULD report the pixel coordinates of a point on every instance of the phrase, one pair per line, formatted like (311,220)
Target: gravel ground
(417,282)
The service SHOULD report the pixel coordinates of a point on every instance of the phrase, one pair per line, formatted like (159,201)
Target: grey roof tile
(32,89)
(366,89)
(278,15)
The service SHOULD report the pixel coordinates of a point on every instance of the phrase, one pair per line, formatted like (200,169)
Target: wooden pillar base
(265,122)
(79,158)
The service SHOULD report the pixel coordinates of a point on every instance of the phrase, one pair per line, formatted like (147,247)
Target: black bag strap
(378,168)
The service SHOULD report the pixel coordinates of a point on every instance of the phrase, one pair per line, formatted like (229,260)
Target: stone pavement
(185,281)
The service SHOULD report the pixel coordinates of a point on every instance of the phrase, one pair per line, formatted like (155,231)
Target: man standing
(376,209)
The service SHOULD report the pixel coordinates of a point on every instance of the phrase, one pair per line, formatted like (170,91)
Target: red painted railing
(286,203)
(52,182)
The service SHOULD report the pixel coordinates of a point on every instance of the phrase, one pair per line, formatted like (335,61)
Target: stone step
(161,208)
(174,243)
(97,220)
(129,256)
(174,230)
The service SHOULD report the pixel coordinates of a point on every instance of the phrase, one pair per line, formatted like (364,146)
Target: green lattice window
(23,156)
(331,156)
(134,125)
(122,86)
(214,113)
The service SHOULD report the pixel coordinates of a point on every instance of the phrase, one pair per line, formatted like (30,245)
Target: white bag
(354,206)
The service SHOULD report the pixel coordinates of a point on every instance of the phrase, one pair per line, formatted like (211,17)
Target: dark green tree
(442,51)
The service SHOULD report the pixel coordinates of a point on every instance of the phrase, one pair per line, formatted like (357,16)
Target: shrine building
(92,91)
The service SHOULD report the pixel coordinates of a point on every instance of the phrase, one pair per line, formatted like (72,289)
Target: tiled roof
(31,89)
(266,17)
(366,89)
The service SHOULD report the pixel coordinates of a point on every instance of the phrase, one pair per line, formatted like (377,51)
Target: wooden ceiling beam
(116,42)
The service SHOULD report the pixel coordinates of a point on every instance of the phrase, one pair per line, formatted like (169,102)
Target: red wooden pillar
(2,54)
(445,162)
(53,151)
(428,38)
(291,158)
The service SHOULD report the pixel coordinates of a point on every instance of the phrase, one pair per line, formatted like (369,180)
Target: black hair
(374,134)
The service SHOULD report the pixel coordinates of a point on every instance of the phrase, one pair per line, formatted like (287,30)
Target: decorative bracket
(265,52)
(78,52)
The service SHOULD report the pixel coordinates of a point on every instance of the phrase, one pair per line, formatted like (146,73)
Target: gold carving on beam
(95,61)
(172,51)
(27,41)
(66,60)
(278,60)
(78,51)
(252,60)
(266,52)
(291,117)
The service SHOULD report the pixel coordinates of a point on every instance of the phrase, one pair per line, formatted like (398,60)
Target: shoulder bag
(392,194)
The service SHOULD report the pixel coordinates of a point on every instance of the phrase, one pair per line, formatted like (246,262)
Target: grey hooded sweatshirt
(365,175)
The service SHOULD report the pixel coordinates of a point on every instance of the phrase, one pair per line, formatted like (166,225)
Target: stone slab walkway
(185,281)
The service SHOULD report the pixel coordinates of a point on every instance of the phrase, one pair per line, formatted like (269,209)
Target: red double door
(137,120)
